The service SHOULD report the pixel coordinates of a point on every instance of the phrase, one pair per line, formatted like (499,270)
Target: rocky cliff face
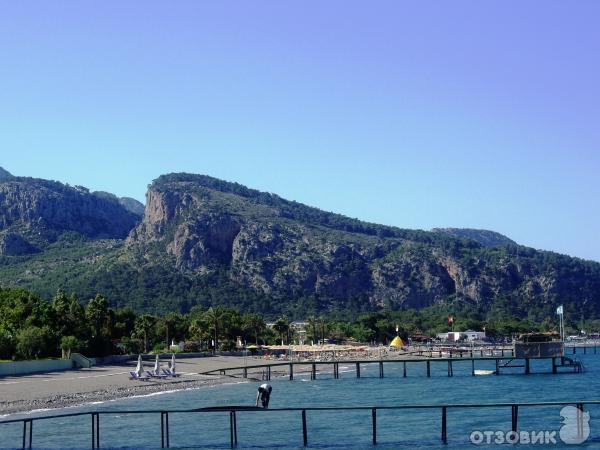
(285,249)
(208,241)
(42,210)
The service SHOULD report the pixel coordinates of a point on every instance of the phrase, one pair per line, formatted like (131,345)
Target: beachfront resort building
(469,335)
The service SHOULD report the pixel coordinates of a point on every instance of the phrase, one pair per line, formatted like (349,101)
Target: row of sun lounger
(166,373)
(144,375)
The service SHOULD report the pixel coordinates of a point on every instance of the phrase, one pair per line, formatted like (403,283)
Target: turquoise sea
(410,429)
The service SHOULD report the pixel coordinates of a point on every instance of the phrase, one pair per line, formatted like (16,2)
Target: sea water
(411,428)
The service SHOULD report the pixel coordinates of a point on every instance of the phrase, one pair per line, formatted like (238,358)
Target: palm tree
(196,329)
(255,325)
(143,326)
(282,326)
(313,322)
(170,321)
(214,317)
(322,324)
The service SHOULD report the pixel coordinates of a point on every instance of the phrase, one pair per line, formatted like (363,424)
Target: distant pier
(502,364)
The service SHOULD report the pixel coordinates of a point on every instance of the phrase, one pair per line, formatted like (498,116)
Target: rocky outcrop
(484,237)
(13,244)
(49,208)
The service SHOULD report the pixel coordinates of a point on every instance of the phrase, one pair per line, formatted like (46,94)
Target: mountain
(5,175)
(130,204)
(36,212)
(484,237)
(206,241)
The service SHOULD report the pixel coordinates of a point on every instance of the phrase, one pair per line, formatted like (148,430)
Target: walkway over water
(502,364)
(233,411)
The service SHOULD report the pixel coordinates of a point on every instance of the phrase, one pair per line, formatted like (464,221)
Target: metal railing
(27,437)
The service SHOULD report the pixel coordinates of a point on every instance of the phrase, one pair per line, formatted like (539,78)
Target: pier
(370,436)
(506,364)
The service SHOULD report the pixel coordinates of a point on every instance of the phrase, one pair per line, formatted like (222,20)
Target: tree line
(31,327)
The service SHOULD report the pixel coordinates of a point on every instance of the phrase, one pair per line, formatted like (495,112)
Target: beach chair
(155,375)
(134,376)
(170,373)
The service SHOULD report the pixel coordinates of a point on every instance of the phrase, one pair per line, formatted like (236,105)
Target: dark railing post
(357,370)
(231,438)
(235,440)
(380,369)
(580,420)
(374,419)
(93,431)
(25,422)
(428,368)
(472,367)
(444,428)
(404,369)
(515,416)
(304,430)
(167,429)
(162,430)
(291,371)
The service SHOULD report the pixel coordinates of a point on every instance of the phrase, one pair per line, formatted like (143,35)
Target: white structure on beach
(469,335)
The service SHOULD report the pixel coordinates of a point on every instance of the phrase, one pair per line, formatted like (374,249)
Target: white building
(469,335)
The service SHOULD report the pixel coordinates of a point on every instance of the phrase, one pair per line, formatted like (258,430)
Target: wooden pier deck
(502,364)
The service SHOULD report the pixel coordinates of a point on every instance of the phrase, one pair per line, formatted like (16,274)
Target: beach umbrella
(397,342)
(173,363)
(139,369)
(157,366)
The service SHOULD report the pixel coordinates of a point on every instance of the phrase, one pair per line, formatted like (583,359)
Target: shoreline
(72,400)
(27,394)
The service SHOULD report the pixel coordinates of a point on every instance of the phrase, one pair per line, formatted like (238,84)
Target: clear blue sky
(415,114)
